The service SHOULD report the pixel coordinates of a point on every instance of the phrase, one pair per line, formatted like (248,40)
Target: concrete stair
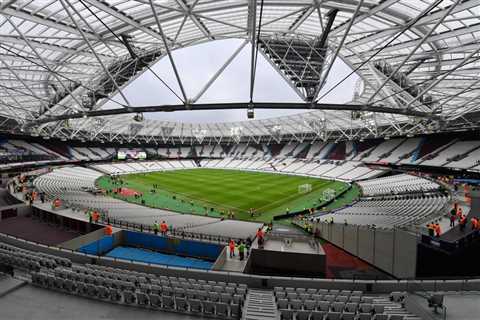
(260,305)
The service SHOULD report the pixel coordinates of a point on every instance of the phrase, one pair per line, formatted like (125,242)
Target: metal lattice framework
(418,62)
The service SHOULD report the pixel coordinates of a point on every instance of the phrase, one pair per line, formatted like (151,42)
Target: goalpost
(304,188)
(328,194)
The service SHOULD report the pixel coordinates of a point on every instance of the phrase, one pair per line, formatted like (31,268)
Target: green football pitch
(214,192)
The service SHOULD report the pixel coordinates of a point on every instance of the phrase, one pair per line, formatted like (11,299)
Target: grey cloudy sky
(199,63)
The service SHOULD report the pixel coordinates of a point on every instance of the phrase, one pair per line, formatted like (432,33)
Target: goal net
(304,188)
(328,194)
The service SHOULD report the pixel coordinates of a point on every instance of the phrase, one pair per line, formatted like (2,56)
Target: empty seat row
(319,297)
(155,301)
(332,315)
(330,306)
(45,260)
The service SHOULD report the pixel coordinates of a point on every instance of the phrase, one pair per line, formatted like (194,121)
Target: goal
(328,194)
(304,188)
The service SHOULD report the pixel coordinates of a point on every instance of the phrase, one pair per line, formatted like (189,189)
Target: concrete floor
(32,303)
(459,306)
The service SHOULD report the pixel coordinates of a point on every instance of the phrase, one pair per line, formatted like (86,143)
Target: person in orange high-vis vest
(108,230)
(56,203)
(95,216)
(474,222)
(163,228)
(231,246)
(438,230)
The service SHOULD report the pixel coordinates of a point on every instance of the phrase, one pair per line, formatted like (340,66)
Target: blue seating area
(191,248)
(158,258)
(98,247)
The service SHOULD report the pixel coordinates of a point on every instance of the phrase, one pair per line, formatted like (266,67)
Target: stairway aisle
(260,305)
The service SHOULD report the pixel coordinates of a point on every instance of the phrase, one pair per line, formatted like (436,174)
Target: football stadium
(240,159)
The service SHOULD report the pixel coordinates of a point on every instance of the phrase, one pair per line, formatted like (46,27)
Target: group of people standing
(162,228)
(243,247)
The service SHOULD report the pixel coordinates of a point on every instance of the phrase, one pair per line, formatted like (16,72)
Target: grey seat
(286,314)
(181,304)
(348,316)
(214,296)
(282,304)
(397,317)
(129,297)
(366,308)
(142,299)
(364,316)
(351,307)
(92,290)
(225,298)
(208,307)
(303,314)
(317,297)
(114,294)
(221,309)
(380,316)
(296,304)
(292,296)
(310,305)
(179,292)
(304,296)
(155,300)
(318,315)
(338,306)
(367,299)
(70,286)
(168,303)
(378,308)
(324,306)
(81,288)
(333,315)
(238,299)
(195,305)
(103,292)
(397,296)
(235,311)
(58,283)
(167,291)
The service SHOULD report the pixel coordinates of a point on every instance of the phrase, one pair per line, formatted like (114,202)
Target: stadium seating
(390,211)
(329,169)
(402,183)
(72,185)
(310,303)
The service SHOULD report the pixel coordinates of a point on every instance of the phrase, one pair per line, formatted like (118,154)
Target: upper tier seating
(390,211)
(401,183)
(383,150)
(144,166)
(403,150)
(456,149)
(330,169)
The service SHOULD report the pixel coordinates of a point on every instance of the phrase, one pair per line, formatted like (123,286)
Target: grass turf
(194,189)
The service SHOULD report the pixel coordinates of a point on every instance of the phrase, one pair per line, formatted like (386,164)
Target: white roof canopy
(66,57)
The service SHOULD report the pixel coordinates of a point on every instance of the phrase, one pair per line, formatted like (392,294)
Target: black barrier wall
(393,251)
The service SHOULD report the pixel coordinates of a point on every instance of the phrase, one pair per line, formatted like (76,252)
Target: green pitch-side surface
(197,191)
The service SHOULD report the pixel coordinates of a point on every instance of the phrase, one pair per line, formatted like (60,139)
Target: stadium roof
(417,61)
